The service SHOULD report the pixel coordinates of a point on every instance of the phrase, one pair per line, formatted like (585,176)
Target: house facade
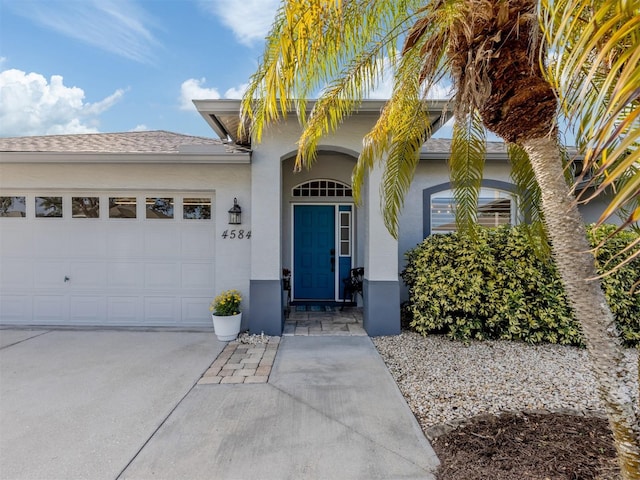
(140,229)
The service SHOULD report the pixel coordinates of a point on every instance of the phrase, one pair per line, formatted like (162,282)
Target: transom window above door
(322,188)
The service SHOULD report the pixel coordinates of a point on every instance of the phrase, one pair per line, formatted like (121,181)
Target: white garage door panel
(197,241)
(124,311)
(87,239)
(125,241)
(52,238)
(14,237)
(160,240)
(161,310)
(15,308)
(52,309)
(162,275)
(121,272)
(195,311)
(197,275)
(50,274)
(83,275)
(87,309)
(16,273)
(125,275)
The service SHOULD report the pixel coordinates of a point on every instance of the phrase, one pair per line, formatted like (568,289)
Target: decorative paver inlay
(242,362)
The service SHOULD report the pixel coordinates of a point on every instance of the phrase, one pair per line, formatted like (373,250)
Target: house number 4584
(236,234)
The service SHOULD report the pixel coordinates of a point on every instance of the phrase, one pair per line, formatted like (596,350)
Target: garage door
(111,258)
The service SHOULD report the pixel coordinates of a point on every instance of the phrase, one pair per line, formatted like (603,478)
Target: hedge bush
(497,287)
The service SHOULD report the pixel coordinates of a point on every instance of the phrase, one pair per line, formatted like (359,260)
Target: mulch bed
(526,447)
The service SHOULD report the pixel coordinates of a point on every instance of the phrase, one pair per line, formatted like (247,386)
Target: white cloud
(140,128)
(117,26)
(236,92)
(194,89)
(440,91)
(384,89)
(249,20)
(31,105)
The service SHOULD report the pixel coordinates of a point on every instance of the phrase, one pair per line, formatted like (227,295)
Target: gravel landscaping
(445,381)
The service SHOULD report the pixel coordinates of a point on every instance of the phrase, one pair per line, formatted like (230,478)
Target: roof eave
(223,115)
(144,158)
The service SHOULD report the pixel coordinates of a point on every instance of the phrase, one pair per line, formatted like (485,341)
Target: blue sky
(79,66)
(84,66)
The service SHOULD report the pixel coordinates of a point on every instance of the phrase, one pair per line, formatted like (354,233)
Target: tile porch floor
(331,321)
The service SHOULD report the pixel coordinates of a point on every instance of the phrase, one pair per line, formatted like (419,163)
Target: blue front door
(314,254)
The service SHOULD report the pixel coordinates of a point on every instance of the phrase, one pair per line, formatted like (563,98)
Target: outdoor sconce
(235,213)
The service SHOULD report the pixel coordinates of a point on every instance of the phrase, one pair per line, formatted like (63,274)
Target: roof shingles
(157,141)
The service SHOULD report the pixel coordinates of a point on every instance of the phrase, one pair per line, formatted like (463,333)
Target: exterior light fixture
(235,213)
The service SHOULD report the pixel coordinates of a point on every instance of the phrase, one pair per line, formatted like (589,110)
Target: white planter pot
(227,328)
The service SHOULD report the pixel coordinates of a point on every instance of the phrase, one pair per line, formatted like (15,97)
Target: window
(13,207)
(49,207)
(345,234)
(196,209)
(85,207)
(160,208)
(122,207)
(322,188)
(495,208)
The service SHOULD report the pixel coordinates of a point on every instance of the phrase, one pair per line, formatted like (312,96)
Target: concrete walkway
(329,411)
(117,404)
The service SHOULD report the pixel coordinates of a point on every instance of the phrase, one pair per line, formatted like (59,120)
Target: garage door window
(159,208)
(49,207)
(196,209)
(13,207)
(85,207)
(122,207)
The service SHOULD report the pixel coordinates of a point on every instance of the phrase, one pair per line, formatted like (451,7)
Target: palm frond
(422,65)
(529,199)
(466,166)
(409,135)
(527,189)
(596,72)
(308,47)
(338,101)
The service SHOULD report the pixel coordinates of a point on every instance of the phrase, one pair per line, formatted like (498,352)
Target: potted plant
(226,315)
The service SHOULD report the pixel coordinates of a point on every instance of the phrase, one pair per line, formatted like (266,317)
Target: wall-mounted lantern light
(235,213)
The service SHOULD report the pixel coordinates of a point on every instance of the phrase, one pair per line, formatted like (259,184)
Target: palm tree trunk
(576,266)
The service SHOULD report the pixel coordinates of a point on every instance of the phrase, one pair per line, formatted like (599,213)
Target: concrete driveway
(126,405)
(82,404)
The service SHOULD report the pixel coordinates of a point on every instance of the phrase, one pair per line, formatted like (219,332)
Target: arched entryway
(320,242)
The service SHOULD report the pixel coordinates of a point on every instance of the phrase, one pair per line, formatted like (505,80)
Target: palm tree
(491,51)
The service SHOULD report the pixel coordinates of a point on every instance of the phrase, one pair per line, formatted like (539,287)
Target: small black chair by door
(353,285)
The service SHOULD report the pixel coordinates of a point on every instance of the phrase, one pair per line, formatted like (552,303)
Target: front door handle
(332,259)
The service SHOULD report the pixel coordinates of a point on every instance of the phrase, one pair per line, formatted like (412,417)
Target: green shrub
(618,284)
(496,287)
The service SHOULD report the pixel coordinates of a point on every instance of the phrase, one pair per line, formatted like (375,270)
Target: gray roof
(158,141)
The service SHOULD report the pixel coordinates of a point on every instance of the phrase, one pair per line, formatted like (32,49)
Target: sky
(87,66)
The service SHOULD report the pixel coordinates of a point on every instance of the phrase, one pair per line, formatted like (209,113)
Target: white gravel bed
(446,381)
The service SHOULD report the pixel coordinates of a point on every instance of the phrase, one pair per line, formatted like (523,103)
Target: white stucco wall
(279,144)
